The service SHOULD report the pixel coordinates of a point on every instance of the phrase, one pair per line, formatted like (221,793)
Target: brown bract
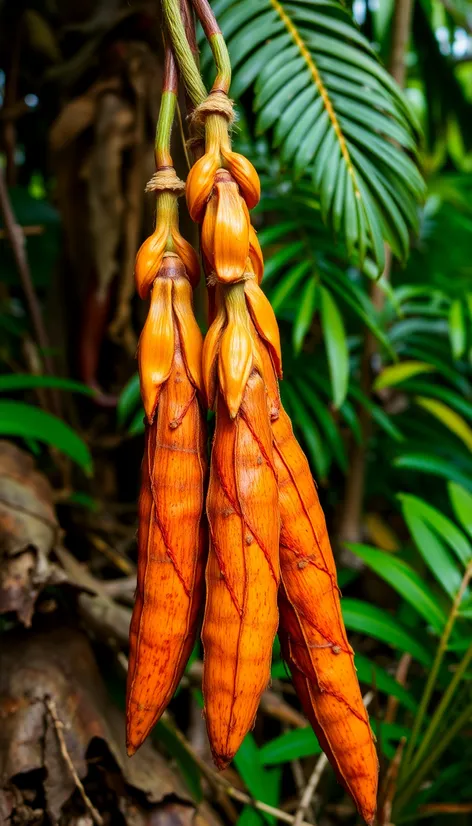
(171,539)
(243,570)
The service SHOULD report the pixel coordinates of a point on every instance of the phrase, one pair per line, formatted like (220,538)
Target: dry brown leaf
(78,114)
(113,134)
(57,669)
(28,531)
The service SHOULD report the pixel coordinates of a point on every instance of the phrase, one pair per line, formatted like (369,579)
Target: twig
(270,702)
(400,676)
(121,328)
(10,99)
(315,778)
(217,781)
(59,728)
(390,786)
(100,612)
(433,673)
(196,141)
(206,17)
(16,238)
(445,808)
(123,587)
(310,789)
(35,229)
(119,560)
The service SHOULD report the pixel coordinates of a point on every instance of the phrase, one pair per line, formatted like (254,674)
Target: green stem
(183,53)
(431,759)
(167,213)
(223,63)
(217,43)
(429,687)
(441,709)
(164,128)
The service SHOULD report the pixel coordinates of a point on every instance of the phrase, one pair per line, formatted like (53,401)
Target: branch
(400,36)
(59,728)
(310,789)
(16,237)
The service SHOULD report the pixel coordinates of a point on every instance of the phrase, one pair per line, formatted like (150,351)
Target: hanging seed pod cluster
(256,558)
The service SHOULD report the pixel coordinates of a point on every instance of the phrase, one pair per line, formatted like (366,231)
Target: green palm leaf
(333,110)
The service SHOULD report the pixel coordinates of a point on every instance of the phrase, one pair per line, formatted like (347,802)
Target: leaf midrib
(313,69)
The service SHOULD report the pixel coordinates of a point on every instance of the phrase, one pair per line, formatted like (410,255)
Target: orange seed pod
(236,351)
(312,633)
(242,573)
(171,539)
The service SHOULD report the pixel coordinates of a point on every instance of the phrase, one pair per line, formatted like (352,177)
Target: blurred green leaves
(28,422)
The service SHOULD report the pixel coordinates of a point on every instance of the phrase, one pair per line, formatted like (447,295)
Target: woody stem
(183,53)
(217,44)
(167,109)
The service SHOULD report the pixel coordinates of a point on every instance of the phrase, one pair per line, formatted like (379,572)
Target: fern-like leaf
(332,109)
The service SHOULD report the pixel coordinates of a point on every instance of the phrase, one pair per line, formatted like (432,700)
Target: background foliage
(377,370)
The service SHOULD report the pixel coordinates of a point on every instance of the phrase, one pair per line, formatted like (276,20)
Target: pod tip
(222,761)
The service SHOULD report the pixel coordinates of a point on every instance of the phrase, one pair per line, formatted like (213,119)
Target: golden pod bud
(208,235)
(156,345)
(199,185)
(191,340)
(211,346)
(264,320)
(149,259)
(188,256)
(236,357)
(245,176)
(255,254)
(231,231)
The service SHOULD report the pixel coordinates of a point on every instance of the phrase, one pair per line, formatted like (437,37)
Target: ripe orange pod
(311,631)
(242,574)
(171,540)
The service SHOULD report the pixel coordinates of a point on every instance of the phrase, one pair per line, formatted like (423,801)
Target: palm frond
(333,110)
